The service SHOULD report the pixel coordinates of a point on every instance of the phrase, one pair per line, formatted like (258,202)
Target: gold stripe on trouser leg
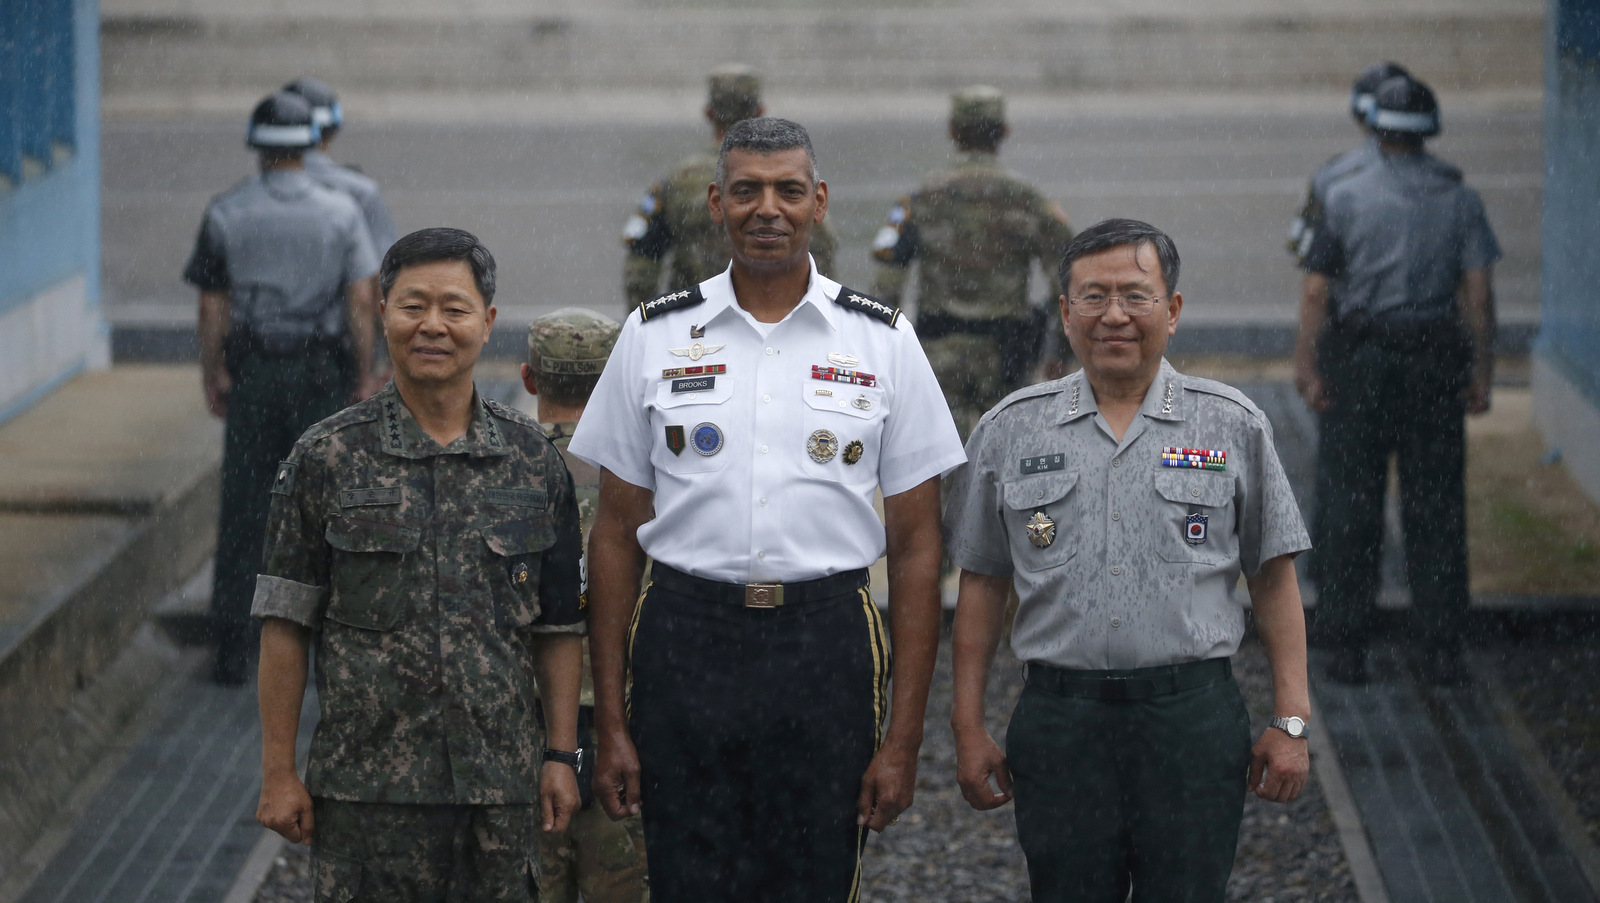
(633,630)
(877,643)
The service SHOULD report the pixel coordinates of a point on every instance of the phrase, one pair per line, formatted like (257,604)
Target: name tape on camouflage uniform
(359,498)
(1194,458)
(521,498)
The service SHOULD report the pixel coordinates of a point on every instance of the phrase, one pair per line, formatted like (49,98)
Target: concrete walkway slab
(124,441)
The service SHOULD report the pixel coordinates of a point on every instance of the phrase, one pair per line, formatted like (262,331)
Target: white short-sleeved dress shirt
(764,443)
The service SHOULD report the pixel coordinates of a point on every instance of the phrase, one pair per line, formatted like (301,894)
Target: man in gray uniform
(329,116)
(1123,502)
(284,268)
(1396,342)
(1304,226)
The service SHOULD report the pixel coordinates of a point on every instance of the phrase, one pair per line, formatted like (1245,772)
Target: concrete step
(108,501)
(163,48)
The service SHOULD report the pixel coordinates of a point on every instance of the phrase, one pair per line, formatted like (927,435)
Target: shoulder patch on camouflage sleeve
(868,305)
(687,297)
(283,483)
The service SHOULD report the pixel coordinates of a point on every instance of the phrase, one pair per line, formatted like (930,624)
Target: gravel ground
(1557,687)
(943,850)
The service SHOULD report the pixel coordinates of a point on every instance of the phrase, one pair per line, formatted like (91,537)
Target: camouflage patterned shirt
(975,227)
(586,486)
(673,217)
(425,571)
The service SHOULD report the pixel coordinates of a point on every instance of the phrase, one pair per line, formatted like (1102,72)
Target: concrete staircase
(193,48)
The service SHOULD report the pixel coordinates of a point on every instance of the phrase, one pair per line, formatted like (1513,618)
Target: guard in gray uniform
(1123,502)
(1305,222)
(329,117)
(1396,342)
(284,268)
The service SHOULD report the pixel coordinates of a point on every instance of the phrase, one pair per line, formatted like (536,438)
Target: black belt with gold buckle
(758,595)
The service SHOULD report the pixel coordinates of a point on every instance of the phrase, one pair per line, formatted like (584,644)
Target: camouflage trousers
(969,371)
(599,858)
(371,852)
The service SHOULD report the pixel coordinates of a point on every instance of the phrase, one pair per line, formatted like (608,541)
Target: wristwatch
(574,758)
(1294,726)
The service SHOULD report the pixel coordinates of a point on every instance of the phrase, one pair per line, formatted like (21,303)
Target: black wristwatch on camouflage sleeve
(574,758)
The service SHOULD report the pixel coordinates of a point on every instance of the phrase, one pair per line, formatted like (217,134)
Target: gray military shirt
(1130,563)
(363,190)
(284,248)
(1397,236)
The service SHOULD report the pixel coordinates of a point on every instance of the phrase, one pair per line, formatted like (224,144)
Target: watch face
(1295,726)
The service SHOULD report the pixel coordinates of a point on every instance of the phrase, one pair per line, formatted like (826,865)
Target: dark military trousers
(274,400)
(1392,393)
(407,853)
(754,728)
(1133,792)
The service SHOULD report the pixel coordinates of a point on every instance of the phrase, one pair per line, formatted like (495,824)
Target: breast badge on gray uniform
(1041,530)
(822,446)
(1194,529)
(707,438)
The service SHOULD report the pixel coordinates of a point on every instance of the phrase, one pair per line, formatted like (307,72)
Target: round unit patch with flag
(707,438)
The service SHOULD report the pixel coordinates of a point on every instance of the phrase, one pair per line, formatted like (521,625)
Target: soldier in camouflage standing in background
(602,859)
(976,229)
(673,217)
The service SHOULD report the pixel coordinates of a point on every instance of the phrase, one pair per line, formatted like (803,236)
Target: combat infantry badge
(822,446)
(675,440)
(1041,530)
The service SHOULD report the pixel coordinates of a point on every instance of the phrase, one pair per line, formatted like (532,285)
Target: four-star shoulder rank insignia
(677,300)
(868,305)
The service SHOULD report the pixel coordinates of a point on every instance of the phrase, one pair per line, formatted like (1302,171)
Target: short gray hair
(767,135)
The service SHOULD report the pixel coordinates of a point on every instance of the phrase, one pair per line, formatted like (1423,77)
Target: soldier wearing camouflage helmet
(672,228)
(601,859)
(975,228)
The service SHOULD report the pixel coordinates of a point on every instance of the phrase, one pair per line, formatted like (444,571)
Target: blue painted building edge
(50,223)
(1569,339)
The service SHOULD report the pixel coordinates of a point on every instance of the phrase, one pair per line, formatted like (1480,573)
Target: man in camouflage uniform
(674,218)
(976,229)
(427,539)
(597,857)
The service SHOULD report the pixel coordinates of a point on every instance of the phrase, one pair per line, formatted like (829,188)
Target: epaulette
(868,305)
(686,297)
(507,412)
(364,411)
(1036,391)
(1221,390)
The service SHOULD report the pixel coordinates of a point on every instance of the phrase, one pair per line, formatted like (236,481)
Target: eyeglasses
(1134,304)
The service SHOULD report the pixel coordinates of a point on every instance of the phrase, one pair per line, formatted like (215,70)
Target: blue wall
(49,146)
(1569,335)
